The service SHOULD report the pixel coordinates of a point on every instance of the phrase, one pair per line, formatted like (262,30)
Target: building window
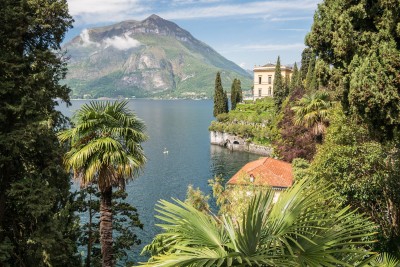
(259,79)
(269,79)
(259,92)
(270,91)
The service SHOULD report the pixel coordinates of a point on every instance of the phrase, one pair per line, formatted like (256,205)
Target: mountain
(149,58)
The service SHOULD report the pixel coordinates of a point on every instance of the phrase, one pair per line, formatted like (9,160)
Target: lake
(180,126)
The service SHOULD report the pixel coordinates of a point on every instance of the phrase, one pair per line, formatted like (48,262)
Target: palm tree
(305,227)
(105,149)
(312,112)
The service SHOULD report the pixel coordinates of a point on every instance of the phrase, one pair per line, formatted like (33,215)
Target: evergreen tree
(234,94)
(126,219)
(294,79)
(219,97)
(37,227)
(225,106)
(306,56)
(239,91)
(279,87)
(310,81)
(360,40)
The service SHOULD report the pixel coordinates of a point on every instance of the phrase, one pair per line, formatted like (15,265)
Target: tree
(220,98)
(126,219)
(37,226)
(305,60)
(294,140)
(305,227)
(312,112)
(197,199)
(360,41)
(234,94)
(239,97)
(295,78)
(310,82)
(106,149)
(225,106)
(279,88)
(365,174)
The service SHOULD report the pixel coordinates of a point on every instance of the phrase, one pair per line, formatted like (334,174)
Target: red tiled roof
(266,171)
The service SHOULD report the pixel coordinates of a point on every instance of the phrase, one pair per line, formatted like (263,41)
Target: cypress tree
(219,100)
(234,94)
(309,85)
(239,91)
(279,87)
(306,56)
(36,223)
(225,103)
(294,79)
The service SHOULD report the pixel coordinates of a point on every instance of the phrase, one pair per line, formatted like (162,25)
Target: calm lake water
(180,126)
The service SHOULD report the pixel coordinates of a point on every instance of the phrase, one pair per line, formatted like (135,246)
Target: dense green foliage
(37,227)
(310,81)
(126,219)
(312,112)
(220,97)
(364,172)
(105,148)
(305,227)
(249,120)
(236,93)
(280,91)
(361,41)
(295,81)
(357,44)
(305,60)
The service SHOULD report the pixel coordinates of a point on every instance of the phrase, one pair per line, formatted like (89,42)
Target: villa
(267,172)
(263,84)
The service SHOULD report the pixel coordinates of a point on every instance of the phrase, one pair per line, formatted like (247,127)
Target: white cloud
(97,11)
(242,65)
(258,9)
(121,43)
(105,11)
(86,38)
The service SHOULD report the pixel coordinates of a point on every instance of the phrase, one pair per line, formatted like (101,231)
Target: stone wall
(236,143)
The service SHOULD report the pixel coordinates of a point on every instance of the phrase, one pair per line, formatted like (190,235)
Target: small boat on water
(165,150)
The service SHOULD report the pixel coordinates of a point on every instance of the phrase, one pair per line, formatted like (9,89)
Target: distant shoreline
(138,98)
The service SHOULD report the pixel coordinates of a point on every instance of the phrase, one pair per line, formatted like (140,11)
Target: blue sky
(247,32)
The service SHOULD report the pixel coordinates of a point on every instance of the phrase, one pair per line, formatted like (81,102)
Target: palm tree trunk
(106,239)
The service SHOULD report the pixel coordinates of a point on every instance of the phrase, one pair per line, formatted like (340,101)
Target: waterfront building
(268,172)
(263,84)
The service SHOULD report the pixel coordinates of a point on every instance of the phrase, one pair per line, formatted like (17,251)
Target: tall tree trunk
(90,238)
(106,239)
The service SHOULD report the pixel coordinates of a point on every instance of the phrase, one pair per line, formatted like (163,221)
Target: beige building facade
(263,84)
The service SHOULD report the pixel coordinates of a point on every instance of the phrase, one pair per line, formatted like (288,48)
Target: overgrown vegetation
(37,226)
(251,121)
(125,223)
(268,233)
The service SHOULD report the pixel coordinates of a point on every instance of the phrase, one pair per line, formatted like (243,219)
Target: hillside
(149,58)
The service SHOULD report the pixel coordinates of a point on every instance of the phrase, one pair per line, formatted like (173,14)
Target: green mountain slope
(150,58)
